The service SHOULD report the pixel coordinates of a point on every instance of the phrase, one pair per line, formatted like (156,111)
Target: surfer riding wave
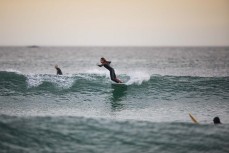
(106,64)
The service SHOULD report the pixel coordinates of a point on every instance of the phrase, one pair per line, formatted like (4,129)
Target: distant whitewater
(82,111)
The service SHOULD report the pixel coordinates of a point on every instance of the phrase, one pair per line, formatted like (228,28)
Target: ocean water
(82,111)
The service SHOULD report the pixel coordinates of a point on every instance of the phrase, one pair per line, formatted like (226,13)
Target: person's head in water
(216,120)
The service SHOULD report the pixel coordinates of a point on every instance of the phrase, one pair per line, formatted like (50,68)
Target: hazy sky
(114,22)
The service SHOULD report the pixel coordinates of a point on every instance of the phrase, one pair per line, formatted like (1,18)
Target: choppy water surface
(82,111)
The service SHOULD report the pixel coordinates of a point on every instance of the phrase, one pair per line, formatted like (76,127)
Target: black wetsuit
(58,71)
(112,71)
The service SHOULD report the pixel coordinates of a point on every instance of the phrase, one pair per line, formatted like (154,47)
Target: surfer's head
(103,60)
(56,66)
(216,120)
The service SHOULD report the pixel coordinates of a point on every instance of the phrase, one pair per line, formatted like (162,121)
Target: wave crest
(13,82)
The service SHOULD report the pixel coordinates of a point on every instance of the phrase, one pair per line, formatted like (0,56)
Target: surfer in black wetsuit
(106,64)
(58,70)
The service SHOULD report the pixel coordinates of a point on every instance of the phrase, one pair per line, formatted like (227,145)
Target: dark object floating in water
(33,46)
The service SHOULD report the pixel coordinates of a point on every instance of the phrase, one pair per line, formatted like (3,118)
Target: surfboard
(119,84)
(193,119)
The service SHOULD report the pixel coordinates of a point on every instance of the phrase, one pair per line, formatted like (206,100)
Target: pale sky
(114,22)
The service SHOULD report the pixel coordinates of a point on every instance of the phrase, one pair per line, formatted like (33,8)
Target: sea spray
(138,77)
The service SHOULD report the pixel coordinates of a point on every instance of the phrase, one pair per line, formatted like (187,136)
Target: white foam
(138,77)
(60,81)
(13,70)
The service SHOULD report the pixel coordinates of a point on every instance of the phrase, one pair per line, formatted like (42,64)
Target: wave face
(16,83)
(93,95)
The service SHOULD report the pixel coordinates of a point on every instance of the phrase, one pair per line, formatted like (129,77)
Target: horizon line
(38,46)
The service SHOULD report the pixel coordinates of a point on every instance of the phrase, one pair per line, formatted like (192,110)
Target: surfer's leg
(117,80)
(113,77)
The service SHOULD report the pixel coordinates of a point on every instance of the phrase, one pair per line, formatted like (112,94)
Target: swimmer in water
(58,70)
(106,64)
(216,120)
